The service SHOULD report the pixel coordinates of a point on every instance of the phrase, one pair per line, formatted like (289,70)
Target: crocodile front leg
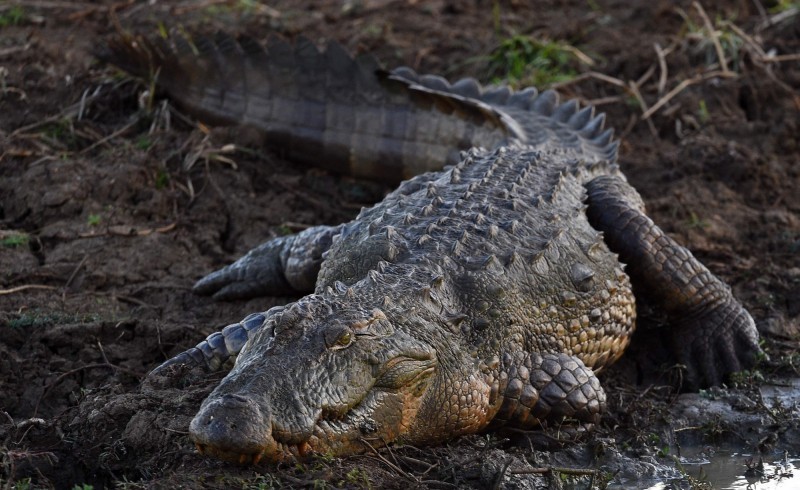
(713,335)
(548,387)
(288,264)
(212,353)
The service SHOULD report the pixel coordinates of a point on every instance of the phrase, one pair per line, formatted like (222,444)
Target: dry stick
(762,57)
(638,95)
(781,57)
(714,38)
(24,287)
(582,57)
(662,63)
(386,461)
(14,50)
(498,482)
(72,276)
(588,75)
(682,86)
(113,135)
(761,10)
(612,99)
(778,18)
(544,471)
(645,76)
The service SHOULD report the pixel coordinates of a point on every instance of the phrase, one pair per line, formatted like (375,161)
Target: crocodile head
(324,374)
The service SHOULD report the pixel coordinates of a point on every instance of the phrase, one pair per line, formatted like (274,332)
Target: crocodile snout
(234,428)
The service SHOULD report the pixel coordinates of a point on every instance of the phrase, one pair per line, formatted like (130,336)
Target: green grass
(12,17)
(783,5)
(730,41)
(524,61)
(143,142)
(14,240)
(702,112)
(162,179)
(93,220)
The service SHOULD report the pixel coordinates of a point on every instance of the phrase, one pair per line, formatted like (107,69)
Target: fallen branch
(682,86)
(25,287)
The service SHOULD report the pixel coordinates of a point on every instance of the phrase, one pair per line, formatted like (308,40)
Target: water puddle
(729,471)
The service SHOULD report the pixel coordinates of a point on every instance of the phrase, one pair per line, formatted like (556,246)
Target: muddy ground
(109,213)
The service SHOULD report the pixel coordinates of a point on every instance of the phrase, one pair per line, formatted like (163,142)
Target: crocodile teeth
(257,457)
(244,458)
(200,448)
(303,448)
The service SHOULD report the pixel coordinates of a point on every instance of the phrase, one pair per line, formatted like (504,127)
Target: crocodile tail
(529,117)
(328,109)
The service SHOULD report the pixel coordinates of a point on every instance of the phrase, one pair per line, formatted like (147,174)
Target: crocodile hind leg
(548,387)
(279,266)
(713,335)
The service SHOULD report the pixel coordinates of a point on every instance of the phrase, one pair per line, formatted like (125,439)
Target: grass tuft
(524,61)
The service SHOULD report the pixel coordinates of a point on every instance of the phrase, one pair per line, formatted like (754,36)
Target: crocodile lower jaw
(295,451)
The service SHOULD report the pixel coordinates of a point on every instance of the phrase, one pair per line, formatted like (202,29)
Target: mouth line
(296,451)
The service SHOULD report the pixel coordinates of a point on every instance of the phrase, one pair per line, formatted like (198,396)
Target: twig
(25,287)
(582,57)
(387,462)
(662,63)
(612,99)
(761,10)
(778,18)
(781,57)
(588,75)
(638,95)
(409,459)
(14,49)
(682,86)
(747,39)
(498,481)
(714,37)
(113,135)
(645,76)
(75,272)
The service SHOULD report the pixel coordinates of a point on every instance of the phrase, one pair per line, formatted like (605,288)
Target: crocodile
(484,295)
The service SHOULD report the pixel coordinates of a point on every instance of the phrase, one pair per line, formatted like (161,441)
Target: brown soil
(123,210)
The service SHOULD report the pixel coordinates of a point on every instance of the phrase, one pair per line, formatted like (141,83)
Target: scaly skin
(483,314)
(476,297)
(327,109)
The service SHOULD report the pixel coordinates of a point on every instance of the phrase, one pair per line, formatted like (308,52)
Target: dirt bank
(109,213)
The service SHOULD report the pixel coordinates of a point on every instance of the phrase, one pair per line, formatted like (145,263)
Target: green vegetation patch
(14,16)
(524,61)
(14,240)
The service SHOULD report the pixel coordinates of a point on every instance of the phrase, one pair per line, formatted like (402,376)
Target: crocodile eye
(343,340)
